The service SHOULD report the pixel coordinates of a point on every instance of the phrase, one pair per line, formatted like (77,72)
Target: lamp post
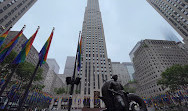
(72,80)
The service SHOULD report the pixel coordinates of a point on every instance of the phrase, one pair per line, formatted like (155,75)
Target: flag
(15,96)
(8,48)
(3,36)
(79,54)
(3,80)
(44,51)
(13,90)
(25,49)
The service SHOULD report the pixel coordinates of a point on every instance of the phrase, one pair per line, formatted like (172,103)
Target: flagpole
(28,86)
(11,98)
(72,80)
(72,85)
(8,79)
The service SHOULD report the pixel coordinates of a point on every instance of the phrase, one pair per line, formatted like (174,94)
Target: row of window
(7,6)
(150,89)
(173,16)
(12,11)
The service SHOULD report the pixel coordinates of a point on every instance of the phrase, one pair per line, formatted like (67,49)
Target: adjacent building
(49,81)
(150,59)
(52,63)
(12,10)
(130,68)
(122,72)
(95,64)
(69,66)
(175,12)
(52,80)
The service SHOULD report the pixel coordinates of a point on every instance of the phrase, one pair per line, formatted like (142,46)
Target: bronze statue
(116,99)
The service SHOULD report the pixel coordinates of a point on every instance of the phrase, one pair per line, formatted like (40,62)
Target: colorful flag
(16,94)
(12,91)
(79,54)
(25,49)
(3,36)
(44,51)
(8,48)
(3,80)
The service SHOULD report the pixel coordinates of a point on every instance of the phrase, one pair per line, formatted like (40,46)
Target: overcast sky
(125,23)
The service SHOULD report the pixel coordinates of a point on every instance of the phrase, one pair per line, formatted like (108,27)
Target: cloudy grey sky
(125,23)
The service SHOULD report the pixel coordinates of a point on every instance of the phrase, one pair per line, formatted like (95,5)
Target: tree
(132,81)
(23,72)
(174,77)
(129,89)
(77,91)
(59,90)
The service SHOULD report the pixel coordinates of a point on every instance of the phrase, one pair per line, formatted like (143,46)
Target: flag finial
(24,27)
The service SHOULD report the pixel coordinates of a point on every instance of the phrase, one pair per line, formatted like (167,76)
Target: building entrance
(96,99)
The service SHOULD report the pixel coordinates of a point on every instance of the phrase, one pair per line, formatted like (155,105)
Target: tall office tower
(151,58)
(69,65)
(12,10)
(95,63)
(130,68)
(175,12)
(122,72)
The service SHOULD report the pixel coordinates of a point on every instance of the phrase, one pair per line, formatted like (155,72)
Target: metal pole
(27,88)
(11,98)
(8,79)
(72,85)
(73,79)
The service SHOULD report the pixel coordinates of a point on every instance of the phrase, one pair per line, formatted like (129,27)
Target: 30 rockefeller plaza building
(96,67)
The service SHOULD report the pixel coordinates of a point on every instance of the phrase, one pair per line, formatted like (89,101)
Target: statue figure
(116,99)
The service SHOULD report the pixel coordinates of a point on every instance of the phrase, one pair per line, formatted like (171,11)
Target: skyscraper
(151,58)
(175,12)
(12,10)
(69,66)
(95,68)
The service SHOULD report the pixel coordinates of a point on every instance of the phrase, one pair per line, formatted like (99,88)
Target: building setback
(12,10)
(95,68)
(175,12)
(150,59)
(122,72)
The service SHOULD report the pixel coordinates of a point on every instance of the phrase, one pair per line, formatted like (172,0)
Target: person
(119,95)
